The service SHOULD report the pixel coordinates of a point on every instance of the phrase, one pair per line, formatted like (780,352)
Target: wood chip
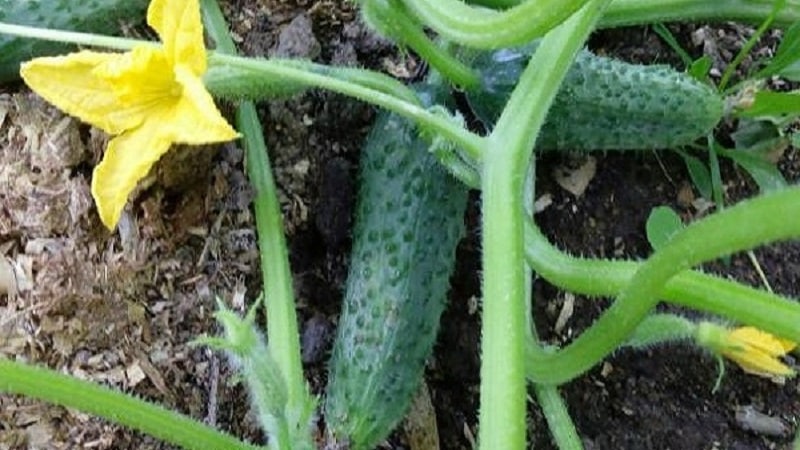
(8,281)
(420,422)
(566,312)
(575,181)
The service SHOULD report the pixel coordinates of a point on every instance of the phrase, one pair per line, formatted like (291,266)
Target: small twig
(760,272)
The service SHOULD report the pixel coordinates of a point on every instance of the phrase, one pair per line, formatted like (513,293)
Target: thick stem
(692,289)
(558,418)
(746,225)
(637,12)
(470,143)
(391,18)
(64,390)
(485,28)
(282,332)
(502,410)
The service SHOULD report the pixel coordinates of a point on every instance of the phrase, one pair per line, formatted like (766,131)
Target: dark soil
(121,308)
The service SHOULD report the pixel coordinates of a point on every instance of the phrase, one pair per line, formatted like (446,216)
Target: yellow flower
(150,98)
(755,351)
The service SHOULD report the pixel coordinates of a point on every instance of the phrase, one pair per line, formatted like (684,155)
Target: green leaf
(791,72)
(662,224)
(777,106)
(700,67)
(698,172)
(663,32)
(764,173)
(786,61)
(795,137)
(754,134)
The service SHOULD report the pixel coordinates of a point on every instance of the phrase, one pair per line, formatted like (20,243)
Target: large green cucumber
(409,219)
(92,16)
(604,103)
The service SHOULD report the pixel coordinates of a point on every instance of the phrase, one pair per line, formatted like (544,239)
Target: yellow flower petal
(757,341)
(69,82)
(140,78)
(196,119)
(760,364)
(179,26)
(757,352)
(150,97)
(787,345)
(128,159)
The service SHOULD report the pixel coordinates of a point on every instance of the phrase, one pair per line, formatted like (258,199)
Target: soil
(121,308)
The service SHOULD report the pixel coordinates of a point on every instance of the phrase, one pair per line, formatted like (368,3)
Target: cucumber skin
(409,219)
(91,16)
(605,104)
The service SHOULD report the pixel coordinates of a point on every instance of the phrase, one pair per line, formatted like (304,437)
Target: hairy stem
(64,390)
(746,225)
(636,12)
(282,333)
(502,410)
(692,289)
(485,28)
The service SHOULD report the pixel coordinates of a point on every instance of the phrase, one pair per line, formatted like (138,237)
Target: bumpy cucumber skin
(605,104)
(409,219)
(92,16)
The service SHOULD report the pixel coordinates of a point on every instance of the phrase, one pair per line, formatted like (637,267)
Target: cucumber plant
(497,163)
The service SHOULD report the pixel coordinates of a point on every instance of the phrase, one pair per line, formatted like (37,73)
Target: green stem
(282,333)
(216,27)
(637,12)
(497,4)
(229,82)
(72,37)
(276,69)
(565,436)
(64,390)
(659,329)
(746,225)
(485,28)
(692,289)
(392,19)
(502,410)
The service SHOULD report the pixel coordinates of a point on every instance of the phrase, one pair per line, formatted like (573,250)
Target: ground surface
(121,308)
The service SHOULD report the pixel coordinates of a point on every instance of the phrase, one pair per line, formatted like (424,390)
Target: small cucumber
(91,16)
(604,103)
(409,219)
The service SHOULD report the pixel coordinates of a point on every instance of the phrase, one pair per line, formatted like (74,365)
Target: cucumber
(91,16)
(604,104)
(409,219)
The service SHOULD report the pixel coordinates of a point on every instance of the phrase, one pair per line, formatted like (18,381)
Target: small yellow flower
(755,351)
(150,98)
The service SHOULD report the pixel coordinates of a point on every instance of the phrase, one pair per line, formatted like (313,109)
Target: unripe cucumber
(604,103)
(91,16)
(409,219)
